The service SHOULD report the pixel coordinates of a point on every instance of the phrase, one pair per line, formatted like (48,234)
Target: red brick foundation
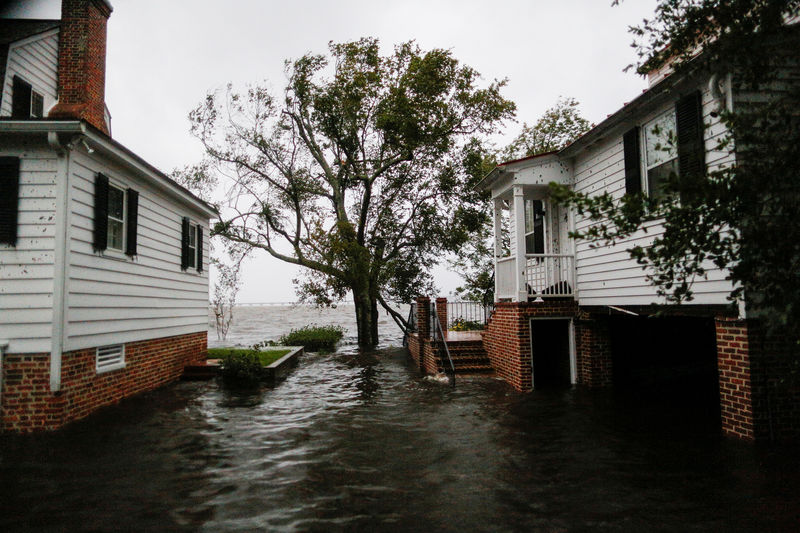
(593,351)
(28,405)
(507,340)
(759,398)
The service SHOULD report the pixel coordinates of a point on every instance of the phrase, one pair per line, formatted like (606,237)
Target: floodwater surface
(361,442)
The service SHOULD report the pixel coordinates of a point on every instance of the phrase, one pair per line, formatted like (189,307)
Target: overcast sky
(164,56)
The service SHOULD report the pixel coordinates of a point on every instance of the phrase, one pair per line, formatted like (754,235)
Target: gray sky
(164,56)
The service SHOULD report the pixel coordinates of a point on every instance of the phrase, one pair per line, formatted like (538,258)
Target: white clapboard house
(103,285)
(569,312)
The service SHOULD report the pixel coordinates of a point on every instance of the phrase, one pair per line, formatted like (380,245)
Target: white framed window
(37,105)
(25,102)
(110,358)
(192,256)
(116,218)
(660,153)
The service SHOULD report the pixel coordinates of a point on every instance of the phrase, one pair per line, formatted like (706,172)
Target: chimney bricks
(82,62)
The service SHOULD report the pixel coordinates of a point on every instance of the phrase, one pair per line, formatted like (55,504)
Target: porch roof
(506,169)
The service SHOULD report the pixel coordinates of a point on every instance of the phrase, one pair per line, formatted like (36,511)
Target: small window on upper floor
(673,145)
(660,152)
(25,102)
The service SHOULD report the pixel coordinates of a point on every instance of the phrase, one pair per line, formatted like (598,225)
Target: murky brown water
(361,442)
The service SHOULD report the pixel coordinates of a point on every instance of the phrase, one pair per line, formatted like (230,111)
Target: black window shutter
(689,124)
(20,98)
(199,248)
(185,228)
(633,163)
(132,222)
(9,199)
(100,212)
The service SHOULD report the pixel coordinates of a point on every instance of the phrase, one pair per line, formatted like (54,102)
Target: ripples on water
(359,441)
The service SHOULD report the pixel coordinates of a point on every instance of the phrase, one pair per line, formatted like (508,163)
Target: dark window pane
(115,200)
(37,105)
(115,234)
(657,178)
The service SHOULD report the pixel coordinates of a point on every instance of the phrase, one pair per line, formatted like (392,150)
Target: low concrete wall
(281,368)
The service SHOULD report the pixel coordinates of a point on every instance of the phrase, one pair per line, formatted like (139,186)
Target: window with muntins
(116,218)
(660,152)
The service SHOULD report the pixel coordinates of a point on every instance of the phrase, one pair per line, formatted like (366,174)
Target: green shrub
(314,338)
(460,324)
(245,367)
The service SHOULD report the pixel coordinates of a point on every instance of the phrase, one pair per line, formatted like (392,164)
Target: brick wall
(28,404)
(733,365)
(593,351)
(759,395)
(507,338)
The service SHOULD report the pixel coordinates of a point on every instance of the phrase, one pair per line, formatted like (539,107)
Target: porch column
(498,241)
(519,239)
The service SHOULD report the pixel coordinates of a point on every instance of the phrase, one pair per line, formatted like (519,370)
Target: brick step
(200,370)
(470,361)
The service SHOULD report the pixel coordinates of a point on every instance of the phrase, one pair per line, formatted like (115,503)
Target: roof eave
(102,141)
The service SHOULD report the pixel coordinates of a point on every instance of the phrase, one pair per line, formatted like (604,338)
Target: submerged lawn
(266,357)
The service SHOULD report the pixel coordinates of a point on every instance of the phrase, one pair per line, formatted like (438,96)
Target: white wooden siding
(607,275)
(26,271)
(36,61)
(115,299)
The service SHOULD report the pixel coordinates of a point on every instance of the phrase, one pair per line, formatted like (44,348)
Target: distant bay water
(255,323)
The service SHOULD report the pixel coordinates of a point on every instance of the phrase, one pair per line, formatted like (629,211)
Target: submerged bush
(245,367)
(242,367)
(314,338)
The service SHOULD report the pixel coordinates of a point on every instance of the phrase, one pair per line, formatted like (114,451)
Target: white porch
(534,256)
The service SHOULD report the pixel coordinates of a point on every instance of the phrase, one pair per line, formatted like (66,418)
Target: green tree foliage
(745,217)
(556,128)
(559,126)
(357,171)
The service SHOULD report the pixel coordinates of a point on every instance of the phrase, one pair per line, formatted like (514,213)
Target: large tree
(744,217)
(358,171)
(557,127)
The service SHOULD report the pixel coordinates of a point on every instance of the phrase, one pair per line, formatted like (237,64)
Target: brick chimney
(82,62)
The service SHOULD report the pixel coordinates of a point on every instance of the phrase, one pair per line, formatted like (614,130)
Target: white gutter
(113,149)
(61,256)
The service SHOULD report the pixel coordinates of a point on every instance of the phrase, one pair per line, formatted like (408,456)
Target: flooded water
(361,442)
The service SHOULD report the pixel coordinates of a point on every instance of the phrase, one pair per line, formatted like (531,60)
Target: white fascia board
(113,150)
(127,159)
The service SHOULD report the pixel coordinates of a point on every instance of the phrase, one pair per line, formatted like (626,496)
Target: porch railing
(549,275)
(468,315)
(506,284)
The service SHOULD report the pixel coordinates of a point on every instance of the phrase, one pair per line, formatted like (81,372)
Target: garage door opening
(669,359)
(552,353)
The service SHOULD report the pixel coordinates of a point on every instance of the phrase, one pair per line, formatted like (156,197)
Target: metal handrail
(438,325)
(411,323)
(468,311)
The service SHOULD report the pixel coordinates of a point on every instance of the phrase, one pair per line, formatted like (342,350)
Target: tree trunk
(366,318)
